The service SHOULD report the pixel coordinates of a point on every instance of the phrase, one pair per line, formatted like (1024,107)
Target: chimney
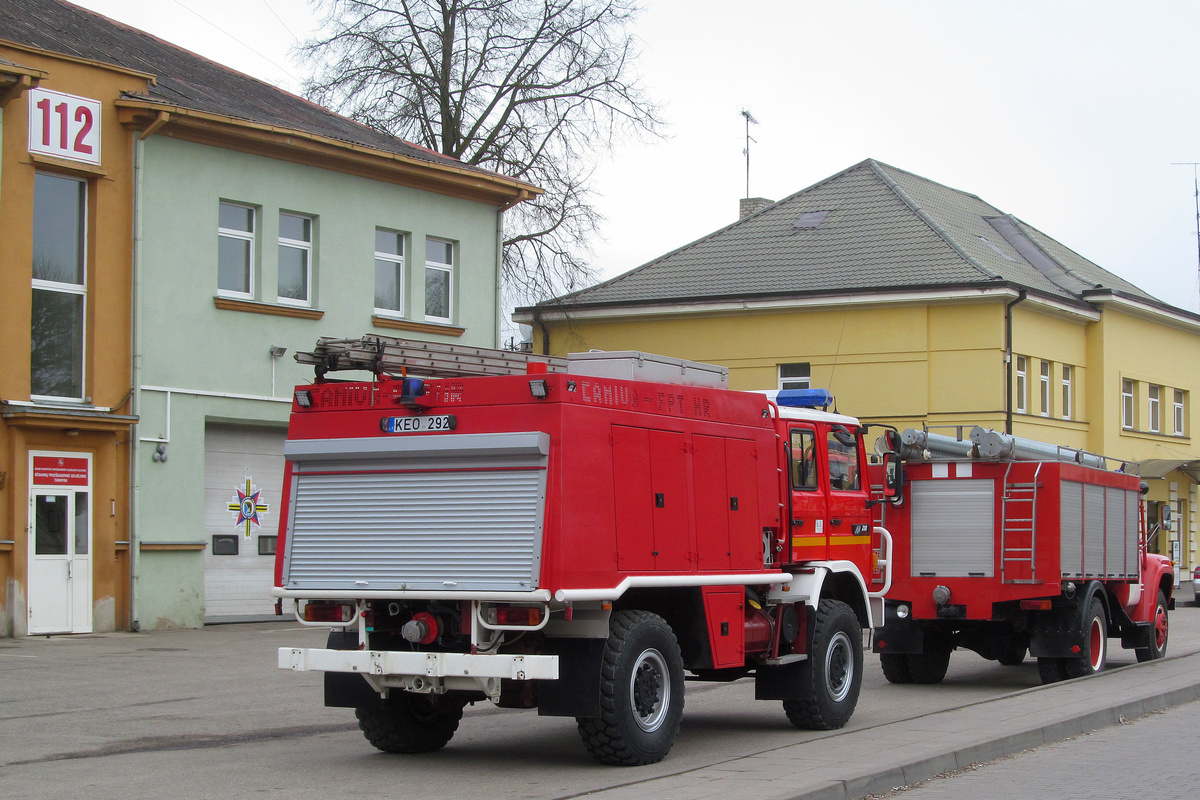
(749,205)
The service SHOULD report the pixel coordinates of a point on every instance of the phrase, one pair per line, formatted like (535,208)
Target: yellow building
(917,304)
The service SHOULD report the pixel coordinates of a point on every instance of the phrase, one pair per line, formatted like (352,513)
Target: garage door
(243,476)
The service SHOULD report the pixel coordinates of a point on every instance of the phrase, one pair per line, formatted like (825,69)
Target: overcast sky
(1066,114)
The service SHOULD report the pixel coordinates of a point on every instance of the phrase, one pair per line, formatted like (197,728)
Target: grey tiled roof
(885,230)
(185,79)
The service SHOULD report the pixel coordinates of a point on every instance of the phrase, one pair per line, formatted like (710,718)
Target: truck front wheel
(411,723)
(831,676)
(641,692)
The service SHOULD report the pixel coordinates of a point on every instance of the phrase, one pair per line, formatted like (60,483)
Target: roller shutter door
(243,478)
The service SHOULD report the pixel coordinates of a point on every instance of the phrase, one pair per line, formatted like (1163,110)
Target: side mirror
(1166,518)
(893,477)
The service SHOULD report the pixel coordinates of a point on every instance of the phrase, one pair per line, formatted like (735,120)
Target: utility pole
(749,119)
(1196,187)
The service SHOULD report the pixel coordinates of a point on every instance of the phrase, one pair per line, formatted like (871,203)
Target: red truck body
(507,538)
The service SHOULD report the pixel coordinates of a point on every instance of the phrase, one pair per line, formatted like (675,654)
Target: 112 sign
(64,125)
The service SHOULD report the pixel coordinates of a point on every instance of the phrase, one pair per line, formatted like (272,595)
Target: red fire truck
(1012,546)
(571,535)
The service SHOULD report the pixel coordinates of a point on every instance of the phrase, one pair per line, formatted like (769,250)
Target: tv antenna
(750,119)
(1196,186)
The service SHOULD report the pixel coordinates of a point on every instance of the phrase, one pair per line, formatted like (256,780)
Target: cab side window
(804,459)
(843,459)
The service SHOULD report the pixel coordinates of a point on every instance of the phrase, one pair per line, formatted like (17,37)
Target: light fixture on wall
(160,453)
(277,351)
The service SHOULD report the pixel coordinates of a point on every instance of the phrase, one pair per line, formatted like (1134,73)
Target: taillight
(524,616)
(328,612)
(1196,574)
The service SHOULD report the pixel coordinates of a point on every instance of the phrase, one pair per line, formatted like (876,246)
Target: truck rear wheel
(1095,643)
(641,692)
(1158,633)
(930,666)
(1012,653)
(895,667)
(411,723)
(1052,670)
(831,676)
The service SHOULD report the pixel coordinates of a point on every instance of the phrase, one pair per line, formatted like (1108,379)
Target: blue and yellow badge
(248,505)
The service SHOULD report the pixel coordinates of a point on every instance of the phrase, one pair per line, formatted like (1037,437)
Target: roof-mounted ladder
(389,355)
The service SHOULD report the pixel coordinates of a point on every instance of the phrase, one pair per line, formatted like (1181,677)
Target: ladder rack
(393,356)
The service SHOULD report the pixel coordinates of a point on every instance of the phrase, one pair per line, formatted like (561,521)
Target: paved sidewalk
(875,760)
(1148,757)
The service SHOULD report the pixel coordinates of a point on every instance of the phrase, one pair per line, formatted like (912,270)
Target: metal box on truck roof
(632,365)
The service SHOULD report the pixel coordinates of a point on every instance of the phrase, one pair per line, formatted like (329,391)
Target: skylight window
(809,219)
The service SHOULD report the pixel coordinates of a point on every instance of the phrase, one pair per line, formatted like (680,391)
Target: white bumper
(431,673)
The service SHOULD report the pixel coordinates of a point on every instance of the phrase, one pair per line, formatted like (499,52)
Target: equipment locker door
(810,535)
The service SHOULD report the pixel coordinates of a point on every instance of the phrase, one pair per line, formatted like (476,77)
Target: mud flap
(902,636)
(576,693)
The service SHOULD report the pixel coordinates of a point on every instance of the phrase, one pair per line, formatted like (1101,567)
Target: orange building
(66,189)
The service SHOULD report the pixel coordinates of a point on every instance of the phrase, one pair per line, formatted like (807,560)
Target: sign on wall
(60,471)
(247,506)
(64,125)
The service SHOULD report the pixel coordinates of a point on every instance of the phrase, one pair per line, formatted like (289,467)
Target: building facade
(917,304)
(196,230)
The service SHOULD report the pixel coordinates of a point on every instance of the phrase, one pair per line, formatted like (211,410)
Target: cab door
(849,515)
(809,488)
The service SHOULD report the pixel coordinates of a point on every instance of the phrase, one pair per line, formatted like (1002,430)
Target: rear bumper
(429,673)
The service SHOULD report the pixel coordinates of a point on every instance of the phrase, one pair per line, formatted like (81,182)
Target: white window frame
(245,236)
(1179,416)
(1155,408)
(1022,385)
(1044,389)
(1068,399)
(449,270)
(307,249)
(77,289)
(1128,405)
(795,381)
(393,258)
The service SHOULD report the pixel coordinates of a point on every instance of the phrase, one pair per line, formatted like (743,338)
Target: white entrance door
(59,587)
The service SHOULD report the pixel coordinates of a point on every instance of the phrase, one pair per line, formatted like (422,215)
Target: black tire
(930,667)
(831,676)
(411,723)
(1012,654)
(895,667)
(1052,670)
(1094,654)
(641,692)
(1158,633)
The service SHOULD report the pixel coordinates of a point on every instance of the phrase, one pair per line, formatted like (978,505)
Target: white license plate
(434,423)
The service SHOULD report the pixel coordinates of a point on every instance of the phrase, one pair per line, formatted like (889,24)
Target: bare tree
(534,89)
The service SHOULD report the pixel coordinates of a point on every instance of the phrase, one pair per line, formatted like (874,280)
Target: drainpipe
(1008,355)
(135,360)
(537,318)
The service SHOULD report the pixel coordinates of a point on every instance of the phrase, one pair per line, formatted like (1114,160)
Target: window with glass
(1155,409)
(1179,412)
(804,459)
(295,259)
(1127,404)
(439,280)
(1044,393)
(795,376)
(843,459)
(389,272)
(59,303)
(1022,388)
(1067,399)
(235,250)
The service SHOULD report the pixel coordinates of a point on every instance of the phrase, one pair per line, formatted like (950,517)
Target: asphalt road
(207,714)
